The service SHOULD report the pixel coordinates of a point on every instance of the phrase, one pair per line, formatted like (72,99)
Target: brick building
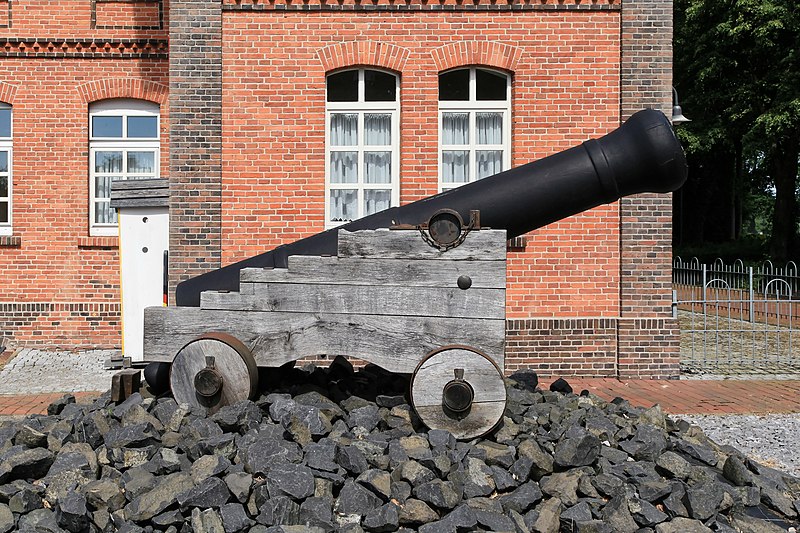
(275,119)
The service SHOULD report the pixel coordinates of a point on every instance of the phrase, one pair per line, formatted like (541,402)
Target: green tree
(736,68)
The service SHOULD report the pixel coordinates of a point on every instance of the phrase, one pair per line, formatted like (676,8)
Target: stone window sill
(104,243)
(10,240)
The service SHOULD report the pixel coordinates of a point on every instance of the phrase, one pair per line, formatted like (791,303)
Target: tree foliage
(738,73)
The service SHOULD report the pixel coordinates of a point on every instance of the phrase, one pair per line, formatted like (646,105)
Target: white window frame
(473,106)
(119,107)
(362,107)
(6,145)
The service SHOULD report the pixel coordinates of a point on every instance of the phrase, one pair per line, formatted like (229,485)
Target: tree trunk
(784,220)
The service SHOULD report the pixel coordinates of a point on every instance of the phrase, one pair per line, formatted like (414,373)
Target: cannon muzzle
(642,155)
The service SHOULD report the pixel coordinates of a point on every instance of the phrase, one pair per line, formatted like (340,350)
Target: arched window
(123,145)
(6,141)
(362,144)
(474,125)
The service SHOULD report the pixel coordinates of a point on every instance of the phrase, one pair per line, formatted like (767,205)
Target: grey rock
(209,493)
(280,510)
(7,521)
(617,515)
(234,518)
(494,521)
(777,500)
(674,503)
(383,519)
(239,483)
(475,477)
(416,512)
(378,481)
(541,461)
(703,499)
(206,521)
(503,480)
(682,525)
(240,417)
(652,489)
(136,482)
(413,472)
(266,451)
(736,472)
(318,511)
(72,514)
(522,498)
(416,447)
(168,518)
(577,451)
(30,437)
(40,521)
(564,485)
(351,459)
(389,401)
(592,526)
(462,517)
(496,454)
(133,436)
(366,417)
(439,494)
(56,407)
(23,463)
(673,465)
(162,495)
(26,500)
(548,519)
(645,513)
(580,512)
(696,450)
(295,481)
(355,499)
(208,466)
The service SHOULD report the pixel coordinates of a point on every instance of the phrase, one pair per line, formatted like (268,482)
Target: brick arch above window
(123,88)
(7,92)
(487,53)
(365,53)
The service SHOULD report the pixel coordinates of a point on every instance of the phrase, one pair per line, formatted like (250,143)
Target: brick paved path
(716,397)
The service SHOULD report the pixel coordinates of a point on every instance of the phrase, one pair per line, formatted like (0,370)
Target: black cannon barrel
(642,155)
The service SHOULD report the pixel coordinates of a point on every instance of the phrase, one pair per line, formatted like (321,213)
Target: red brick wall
(565,68)
(58,286)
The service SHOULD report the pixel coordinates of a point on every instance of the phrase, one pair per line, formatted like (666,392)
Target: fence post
(752,299)
(674,304)
(705,289)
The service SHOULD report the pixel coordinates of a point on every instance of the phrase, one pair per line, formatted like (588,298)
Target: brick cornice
(61,48)
(370,53)
(487,53)
(420,5)
(7,92)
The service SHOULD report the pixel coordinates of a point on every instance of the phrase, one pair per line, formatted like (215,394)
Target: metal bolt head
(464,282)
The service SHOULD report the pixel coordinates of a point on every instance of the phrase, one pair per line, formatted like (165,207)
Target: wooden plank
(396,343)
(363,300)
(484,245)
(387,272)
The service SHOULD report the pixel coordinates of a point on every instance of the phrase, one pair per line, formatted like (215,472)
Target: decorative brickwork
(7,92)
(648,345)
(5,13)
(195,97)
(420,5)
(141,89)
(491,54)
(59,48)
(372,53)
(60,324)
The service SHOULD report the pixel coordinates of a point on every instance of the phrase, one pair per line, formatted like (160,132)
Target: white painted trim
(360,108)
(473,106)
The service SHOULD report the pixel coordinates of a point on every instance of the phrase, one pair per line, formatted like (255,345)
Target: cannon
(417,289)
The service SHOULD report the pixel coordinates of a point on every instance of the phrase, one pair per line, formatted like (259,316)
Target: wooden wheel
(212,371)
(459,389)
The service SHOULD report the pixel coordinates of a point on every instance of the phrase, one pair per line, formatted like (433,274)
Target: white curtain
(344,167)
(141,163)
(489,162)
(377,167)
(455,166)
(377,129)
(344,129)
(3,161)
(375,201)
(344,204)
(489,128)
(455,128)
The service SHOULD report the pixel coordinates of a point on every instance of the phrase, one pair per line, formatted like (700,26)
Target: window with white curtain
(6,141)
(123,145)
(474,125)
(361,150)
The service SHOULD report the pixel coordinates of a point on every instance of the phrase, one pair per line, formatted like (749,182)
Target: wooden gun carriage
(418,289)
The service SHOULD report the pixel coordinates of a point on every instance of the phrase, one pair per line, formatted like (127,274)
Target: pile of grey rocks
(341,450)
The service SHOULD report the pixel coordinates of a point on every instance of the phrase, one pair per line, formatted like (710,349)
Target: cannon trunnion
(425,298)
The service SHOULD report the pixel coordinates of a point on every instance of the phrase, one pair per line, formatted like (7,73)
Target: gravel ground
(769,439)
